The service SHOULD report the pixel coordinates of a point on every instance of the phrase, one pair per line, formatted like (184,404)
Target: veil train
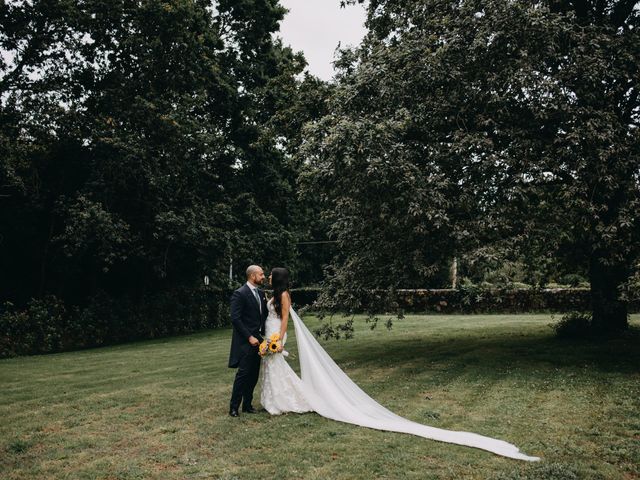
(332,394)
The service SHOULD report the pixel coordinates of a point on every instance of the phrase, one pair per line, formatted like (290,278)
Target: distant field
(158,409)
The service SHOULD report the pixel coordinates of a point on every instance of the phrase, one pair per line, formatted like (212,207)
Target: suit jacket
(247,321)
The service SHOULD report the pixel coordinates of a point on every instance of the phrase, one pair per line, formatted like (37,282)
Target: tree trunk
(609,313)
(453,273)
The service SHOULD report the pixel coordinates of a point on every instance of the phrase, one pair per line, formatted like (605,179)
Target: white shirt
(254,291)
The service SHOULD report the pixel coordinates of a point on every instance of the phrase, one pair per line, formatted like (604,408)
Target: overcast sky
(316,27)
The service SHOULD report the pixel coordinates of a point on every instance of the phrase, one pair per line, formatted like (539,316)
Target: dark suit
(247,320)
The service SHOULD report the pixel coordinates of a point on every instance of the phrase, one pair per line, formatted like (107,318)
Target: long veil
(332,394)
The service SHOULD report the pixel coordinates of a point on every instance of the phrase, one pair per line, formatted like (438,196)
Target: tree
(139,146)
(458,125)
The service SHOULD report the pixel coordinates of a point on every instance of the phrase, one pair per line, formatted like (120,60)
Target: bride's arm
(286,304)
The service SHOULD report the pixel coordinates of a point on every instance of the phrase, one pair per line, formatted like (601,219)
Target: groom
(248,315)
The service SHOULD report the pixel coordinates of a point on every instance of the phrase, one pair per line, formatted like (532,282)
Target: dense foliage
(144,145)
(461,128)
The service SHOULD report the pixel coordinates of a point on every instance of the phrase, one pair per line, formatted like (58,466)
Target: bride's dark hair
(280,284)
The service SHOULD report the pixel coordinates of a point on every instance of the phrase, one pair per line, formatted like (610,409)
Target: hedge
(48,325)
(482,300)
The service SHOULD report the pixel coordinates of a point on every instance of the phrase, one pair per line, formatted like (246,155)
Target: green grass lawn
(158,409)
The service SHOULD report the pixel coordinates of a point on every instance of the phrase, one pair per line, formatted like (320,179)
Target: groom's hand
(254,341)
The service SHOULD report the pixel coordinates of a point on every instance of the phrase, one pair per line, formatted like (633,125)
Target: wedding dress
(281,390)
(327,390)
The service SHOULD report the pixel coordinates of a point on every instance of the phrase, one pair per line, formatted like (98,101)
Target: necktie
(255,294)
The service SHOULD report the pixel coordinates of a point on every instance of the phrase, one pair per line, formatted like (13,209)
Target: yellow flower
(274,337)
(273,346)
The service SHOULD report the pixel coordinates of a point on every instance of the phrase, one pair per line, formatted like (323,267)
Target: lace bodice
(272,309)
(273,322)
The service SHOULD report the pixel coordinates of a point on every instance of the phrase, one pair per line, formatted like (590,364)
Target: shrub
(573,280)
(472,298)
(573,325)
(41,325)
(47,325)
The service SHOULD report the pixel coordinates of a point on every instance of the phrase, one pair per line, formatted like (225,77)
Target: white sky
(316,27)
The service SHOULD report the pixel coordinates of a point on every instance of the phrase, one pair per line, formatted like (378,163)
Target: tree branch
(631,105)
(621,11)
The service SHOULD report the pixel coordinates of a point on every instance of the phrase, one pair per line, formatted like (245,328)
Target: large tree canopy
(141,144)
(457,125)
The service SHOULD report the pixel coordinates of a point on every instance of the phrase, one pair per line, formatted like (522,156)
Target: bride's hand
(280,348)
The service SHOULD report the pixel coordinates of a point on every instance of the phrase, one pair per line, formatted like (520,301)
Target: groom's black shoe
(234,412)
(249,410)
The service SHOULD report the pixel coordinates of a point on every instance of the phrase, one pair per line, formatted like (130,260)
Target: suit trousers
(246,380)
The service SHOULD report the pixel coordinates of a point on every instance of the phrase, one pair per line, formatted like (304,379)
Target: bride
(281,390)
(325,389)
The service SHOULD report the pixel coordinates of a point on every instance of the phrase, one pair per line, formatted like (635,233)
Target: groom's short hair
(252,269)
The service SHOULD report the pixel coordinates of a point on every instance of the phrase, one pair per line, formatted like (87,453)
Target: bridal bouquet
(270,347)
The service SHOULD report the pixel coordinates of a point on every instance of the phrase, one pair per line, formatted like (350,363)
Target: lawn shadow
(497,351)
